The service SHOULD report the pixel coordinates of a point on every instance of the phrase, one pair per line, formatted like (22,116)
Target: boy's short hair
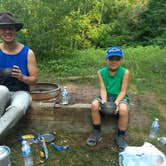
(114,51)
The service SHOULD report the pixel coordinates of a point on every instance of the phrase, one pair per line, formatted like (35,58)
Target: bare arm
(32,69)
(124,87)
(103,92)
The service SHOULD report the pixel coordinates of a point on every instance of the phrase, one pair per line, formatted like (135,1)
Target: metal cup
(6,72)
(5,156)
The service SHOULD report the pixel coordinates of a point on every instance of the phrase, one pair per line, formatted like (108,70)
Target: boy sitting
(113,80)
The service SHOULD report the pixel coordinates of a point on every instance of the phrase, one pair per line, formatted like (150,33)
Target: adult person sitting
(14,86)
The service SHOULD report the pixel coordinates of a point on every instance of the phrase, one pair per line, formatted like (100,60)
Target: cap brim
(108,56)
(18,26)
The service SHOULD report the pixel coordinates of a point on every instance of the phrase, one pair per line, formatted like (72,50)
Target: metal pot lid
(4,151)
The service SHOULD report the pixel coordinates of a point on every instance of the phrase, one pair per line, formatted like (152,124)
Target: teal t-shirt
(113,83)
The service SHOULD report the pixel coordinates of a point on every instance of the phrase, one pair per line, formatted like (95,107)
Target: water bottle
(27,154)
(154,129)
(43,151)
(162,140)
(65,96)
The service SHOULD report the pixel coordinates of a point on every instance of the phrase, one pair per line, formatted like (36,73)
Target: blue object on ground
(59,147)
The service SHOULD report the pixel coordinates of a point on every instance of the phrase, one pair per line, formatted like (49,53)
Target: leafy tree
(154,20)
(55,28)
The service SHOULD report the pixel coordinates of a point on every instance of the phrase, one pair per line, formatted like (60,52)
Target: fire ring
(44,91)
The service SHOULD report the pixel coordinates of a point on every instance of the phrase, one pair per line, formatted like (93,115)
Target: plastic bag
(146,155)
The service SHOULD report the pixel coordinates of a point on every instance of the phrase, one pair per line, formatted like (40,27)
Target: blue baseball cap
(114,51)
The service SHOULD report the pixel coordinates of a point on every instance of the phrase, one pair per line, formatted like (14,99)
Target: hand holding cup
(6,72)
(16,72)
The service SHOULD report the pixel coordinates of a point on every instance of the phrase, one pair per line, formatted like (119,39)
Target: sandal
(94,138)
(121,142)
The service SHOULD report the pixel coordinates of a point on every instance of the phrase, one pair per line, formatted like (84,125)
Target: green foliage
(54,28)
(153,23)
(79,63)
(147,66)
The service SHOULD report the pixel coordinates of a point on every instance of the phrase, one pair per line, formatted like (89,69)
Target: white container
(5,156)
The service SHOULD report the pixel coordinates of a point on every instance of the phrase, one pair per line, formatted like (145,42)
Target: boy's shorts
(113,98)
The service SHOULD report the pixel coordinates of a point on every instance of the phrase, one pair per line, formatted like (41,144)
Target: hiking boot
(121,142)
(94,138)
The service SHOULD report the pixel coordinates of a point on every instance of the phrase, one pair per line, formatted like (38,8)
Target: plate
(49,137)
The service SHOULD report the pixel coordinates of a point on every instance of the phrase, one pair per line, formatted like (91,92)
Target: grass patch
(138,137)
(152,112)
(147,66)
(105,154)
(80,63)
(79,154)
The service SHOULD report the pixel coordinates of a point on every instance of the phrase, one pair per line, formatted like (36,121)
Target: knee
(20,109)
(21,100)
(95,106)
(4,90)
(123,111)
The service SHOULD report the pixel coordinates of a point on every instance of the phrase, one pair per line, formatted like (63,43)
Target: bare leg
(96,119)
(95,136)
(122,127)
(123,117)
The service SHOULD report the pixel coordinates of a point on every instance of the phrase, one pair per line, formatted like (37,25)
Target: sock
(97,127)
(121,132)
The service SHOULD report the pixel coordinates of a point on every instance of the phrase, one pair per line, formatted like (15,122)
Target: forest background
(70,37)
(58,27)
